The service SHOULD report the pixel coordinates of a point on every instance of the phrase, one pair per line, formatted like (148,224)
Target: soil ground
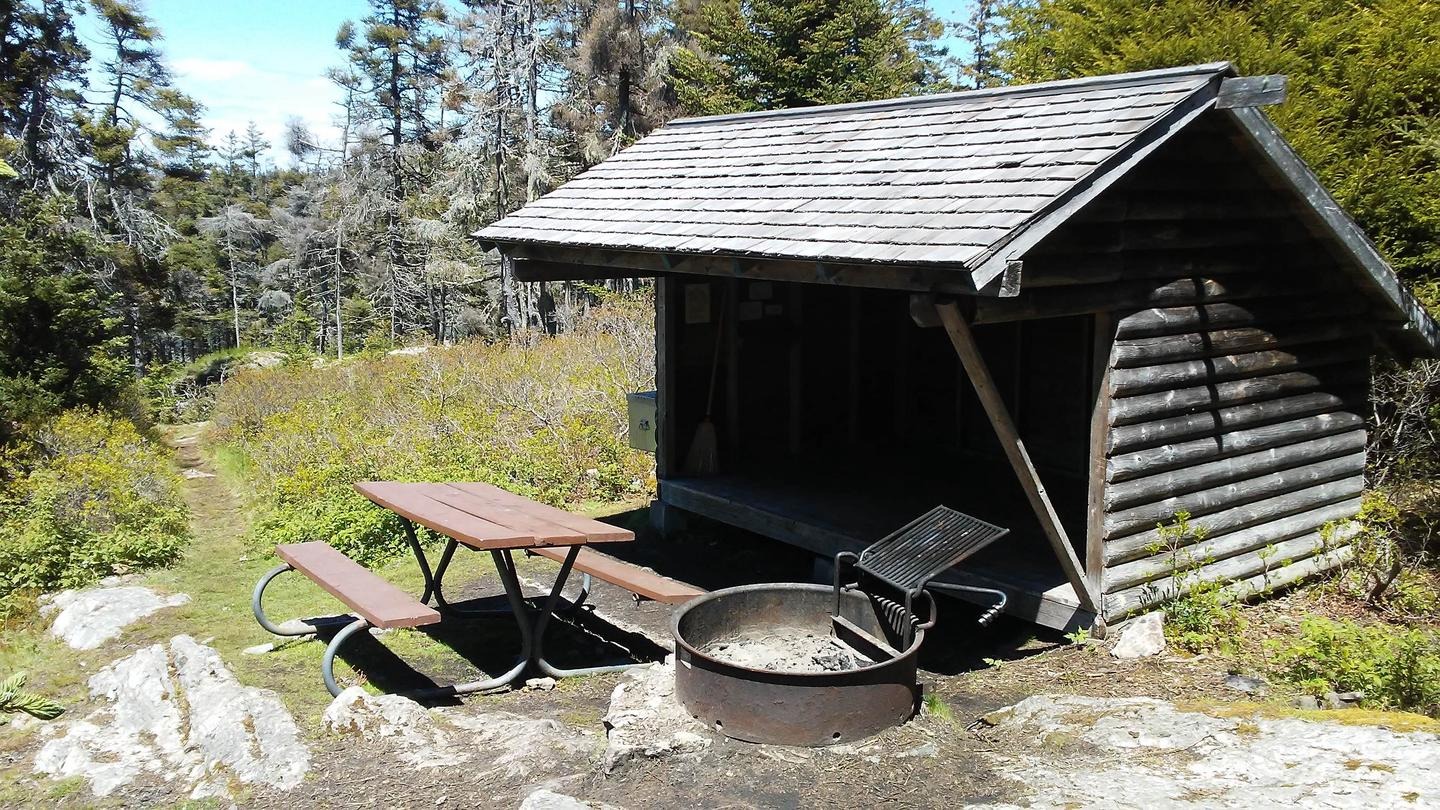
(935,760)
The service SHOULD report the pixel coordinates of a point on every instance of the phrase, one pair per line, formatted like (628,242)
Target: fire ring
(863,695)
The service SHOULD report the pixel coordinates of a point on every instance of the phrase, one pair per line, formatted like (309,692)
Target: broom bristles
(703,458)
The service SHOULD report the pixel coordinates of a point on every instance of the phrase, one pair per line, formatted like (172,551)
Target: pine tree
(981,32)
(252,149)
(1363,109)
(183,146)
(771,54)
(42,68)
(399,58)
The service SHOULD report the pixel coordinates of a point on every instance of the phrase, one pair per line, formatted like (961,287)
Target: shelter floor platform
(849,506)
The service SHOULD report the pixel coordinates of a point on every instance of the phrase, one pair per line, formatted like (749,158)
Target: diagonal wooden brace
(979,374)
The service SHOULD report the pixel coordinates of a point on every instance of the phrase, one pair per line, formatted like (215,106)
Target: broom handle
(719,337)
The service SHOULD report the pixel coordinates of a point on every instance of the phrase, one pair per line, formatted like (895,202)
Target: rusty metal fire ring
(790,708)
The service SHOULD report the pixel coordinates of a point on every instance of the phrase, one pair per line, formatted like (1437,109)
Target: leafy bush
(94,497)
(543,416)
(1395,668)
(1391,568)
(1199,613)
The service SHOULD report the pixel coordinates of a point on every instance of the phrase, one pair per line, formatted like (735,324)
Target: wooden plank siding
(1235,384)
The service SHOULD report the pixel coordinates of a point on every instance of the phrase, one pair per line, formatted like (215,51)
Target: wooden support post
(796,314)
(979,374)
(667,374)
(1103,326)
(731,337)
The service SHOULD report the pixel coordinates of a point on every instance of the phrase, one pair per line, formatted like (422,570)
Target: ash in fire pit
(779,649)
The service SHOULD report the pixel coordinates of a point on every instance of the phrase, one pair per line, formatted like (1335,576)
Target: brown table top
(486,517)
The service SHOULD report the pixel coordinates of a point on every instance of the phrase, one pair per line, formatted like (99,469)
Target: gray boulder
(1141,638)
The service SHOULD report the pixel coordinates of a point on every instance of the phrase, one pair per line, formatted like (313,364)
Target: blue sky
(265,60)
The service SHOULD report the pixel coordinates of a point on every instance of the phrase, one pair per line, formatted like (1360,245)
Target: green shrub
(1390,568)
(1199,613)
(1396,668)
(95,498)
(542,416)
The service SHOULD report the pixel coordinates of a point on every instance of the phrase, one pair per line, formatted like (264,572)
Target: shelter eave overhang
(1412,328)
(541,261)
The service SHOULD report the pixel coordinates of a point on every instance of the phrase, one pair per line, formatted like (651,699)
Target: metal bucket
(791,708)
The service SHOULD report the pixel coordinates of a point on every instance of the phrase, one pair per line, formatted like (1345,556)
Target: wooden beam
(953,279)
(530,270)
(1250,91)
(1102,354)
(667,376)
(979,374)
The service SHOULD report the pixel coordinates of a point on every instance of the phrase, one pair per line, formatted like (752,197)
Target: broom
(704,455)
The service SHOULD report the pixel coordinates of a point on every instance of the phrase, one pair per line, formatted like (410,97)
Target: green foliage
(14,698)
(1388,568)
(97,498)
(1395,668)
(771,54)
(1199,614)
(58,346)
(1363,110)
(540,416)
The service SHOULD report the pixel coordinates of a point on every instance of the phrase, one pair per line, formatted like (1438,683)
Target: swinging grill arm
(990,613)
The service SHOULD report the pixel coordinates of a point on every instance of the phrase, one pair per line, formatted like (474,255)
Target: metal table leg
(543,620)
(435,580)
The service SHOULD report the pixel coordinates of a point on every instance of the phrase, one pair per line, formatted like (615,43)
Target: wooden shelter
(1075,309)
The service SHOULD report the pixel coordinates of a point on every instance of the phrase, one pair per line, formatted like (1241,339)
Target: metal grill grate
(931,543)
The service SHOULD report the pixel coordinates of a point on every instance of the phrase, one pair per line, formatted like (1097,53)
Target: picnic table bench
(479,517)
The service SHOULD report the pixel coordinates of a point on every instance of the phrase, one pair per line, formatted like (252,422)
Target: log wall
(1237,376)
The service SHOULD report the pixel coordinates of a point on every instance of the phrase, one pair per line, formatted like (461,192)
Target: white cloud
(212,70)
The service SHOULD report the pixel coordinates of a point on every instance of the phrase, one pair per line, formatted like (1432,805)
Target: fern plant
(14,698)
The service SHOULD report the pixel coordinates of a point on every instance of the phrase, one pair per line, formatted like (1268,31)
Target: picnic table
(477,517)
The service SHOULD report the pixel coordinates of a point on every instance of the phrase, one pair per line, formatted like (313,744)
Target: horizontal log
(1209,474)
(1216,396)
(1037,301)
(1235,493)
(1193,345)
(1244,566)
(1066,266)
(1129,382)
(1176,429)
(1264,313)
(1255,513)
(1271,581)
(1167,457)
(1213,549)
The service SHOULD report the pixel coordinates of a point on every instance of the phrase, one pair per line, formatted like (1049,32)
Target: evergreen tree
(1363,108)
(981,32)
(771,54)
(399,58)
(59,345)
(42,67)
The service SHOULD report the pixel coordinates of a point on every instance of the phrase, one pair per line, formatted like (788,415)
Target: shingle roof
(968,181)
(927,180)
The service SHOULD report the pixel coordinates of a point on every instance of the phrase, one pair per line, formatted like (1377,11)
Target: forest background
(142,253)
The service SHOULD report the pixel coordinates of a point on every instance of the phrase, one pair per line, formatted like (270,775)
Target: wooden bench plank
(594,530)
(377,601)
(631,577)
(410,501)
(545,532)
